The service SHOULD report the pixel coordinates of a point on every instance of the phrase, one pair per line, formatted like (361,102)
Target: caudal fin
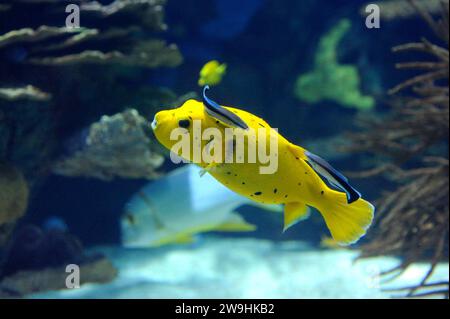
(346,222)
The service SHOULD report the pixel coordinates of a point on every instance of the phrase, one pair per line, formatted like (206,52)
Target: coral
(56,80)
(32,248)
(115,146)
(330,80)
(13,198)
(413,218)
(36,260)
(99,270)
(28,92)
(80,45)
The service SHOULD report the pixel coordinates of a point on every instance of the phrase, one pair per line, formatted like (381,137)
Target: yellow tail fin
(346,222)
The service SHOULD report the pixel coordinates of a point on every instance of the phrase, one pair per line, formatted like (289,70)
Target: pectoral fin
(293,213)
(235,223)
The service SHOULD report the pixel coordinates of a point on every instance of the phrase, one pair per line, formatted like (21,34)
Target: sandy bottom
(245,268)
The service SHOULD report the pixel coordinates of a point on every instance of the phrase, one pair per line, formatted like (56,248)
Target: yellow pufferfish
(296,183)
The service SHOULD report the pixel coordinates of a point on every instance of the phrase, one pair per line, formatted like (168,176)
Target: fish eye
(184,123)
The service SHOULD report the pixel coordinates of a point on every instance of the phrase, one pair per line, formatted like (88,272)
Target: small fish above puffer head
(212,73)
(175,208)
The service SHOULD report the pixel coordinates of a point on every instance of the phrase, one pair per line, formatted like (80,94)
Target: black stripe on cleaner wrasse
(222,114)
(325,169)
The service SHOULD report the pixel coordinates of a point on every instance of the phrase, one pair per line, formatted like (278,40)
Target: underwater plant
(330,80)
(413,218)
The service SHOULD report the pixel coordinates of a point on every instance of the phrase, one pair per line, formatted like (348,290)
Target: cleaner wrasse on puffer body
(297,182)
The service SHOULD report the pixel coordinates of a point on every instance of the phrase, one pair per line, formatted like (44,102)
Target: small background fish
(212,73)
(175,208)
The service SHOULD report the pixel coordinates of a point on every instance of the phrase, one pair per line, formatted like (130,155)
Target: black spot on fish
(296,158)
(190,117)
(261,125)
(306,173)
(321,192)
(228,173)
(275,190)
(235,175)
(299,184)
(184,123)
(258,193)
(217,122)
(286,196)
(243,183)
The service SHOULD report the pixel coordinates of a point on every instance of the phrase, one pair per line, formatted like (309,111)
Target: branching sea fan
(413,219)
